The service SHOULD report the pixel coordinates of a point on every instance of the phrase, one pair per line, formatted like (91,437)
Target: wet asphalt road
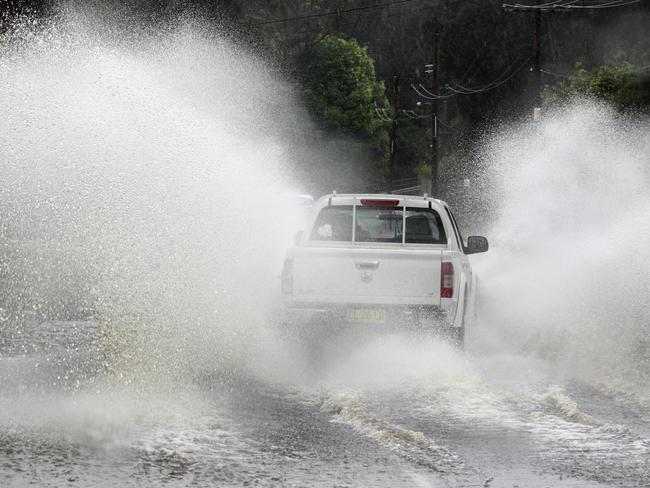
(391,412)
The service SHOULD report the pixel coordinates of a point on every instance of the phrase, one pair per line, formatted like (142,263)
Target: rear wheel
(456,337)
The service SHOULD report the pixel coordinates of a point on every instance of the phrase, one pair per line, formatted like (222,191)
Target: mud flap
(456,332)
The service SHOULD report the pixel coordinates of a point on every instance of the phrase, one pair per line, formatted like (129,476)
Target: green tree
(342,91)
(624,85)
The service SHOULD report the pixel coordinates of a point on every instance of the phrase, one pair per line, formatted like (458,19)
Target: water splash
(138,167)
(566,277)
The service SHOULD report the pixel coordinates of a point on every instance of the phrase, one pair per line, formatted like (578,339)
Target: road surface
(392,410)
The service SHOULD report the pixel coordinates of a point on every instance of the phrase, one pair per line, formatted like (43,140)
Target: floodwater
(141,244)
(393,410)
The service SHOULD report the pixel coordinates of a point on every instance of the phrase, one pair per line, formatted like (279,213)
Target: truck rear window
(379,224)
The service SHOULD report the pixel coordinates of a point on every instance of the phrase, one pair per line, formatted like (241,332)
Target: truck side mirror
(476,244)
(297,237)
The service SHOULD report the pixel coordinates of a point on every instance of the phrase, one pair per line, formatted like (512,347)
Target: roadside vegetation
(625,86)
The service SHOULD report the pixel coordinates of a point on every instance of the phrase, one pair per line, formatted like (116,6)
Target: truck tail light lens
(373,202)
(287,276)
(446,280)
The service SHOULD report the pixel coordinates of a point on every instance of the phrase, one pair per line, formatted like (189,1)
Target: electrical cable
(557,75)
(488,85)
(452,92)
(554,3)
(382,114)
(429,95)
(570,5)
(613,4)
(465,75)
(603,6)
(334,12)
(543,6)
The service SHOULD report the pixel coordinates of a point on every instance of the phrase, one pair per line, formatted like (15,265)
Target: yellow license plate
(366,315)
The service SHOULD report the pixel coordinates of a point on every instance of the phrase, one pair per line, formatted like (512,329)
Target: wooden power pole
(537,60)
(435,89)
(394,115)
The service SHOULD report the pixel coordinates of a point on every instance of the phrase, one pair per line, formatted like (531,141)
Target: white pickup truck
(381,259)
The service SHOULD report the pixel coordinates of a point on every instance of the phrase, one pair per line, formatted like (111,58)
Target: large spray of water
(138,172)
(567,275)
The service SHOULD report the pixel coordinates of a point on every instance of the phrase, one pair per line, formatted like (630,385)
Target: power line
(602,6)
(563,5)
(557,75)
(382,114)
(554,6)
(553,3)
(334,12)
(428,95)
(461,90)
(541,6)
(408,115)
(496,82)
(467,71)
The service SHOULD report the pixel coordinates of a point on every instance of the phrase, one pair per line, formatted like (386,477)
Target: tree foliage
(624,85)
(342,90)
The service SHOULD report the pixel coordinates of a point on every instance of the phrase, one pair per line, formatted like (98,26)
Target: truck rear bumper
(360,314)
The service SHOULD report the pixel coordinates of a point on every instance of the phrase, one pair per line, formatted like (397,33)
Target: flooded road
(392,411)
(138,172)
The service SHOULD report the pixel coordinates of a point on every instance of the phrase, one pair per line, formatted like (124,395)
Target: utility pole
(435,88)
(537,62)
(537,48)
(553,6)
(394,115)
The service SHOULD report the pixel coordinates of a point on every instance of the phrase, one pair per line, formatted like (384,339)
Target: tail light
(375,202)
(287,276)
(446,280)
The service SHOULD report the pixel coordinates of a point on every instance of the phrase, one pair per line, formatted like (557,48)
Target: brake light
(446,280)
(287,276)
(379,203)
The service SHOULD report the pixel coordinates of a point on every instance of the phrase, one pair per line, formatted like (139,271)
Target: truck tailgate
(397,276)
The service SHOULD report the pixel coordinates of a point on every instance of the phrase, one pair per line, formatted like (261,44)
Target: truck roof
(404,200)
